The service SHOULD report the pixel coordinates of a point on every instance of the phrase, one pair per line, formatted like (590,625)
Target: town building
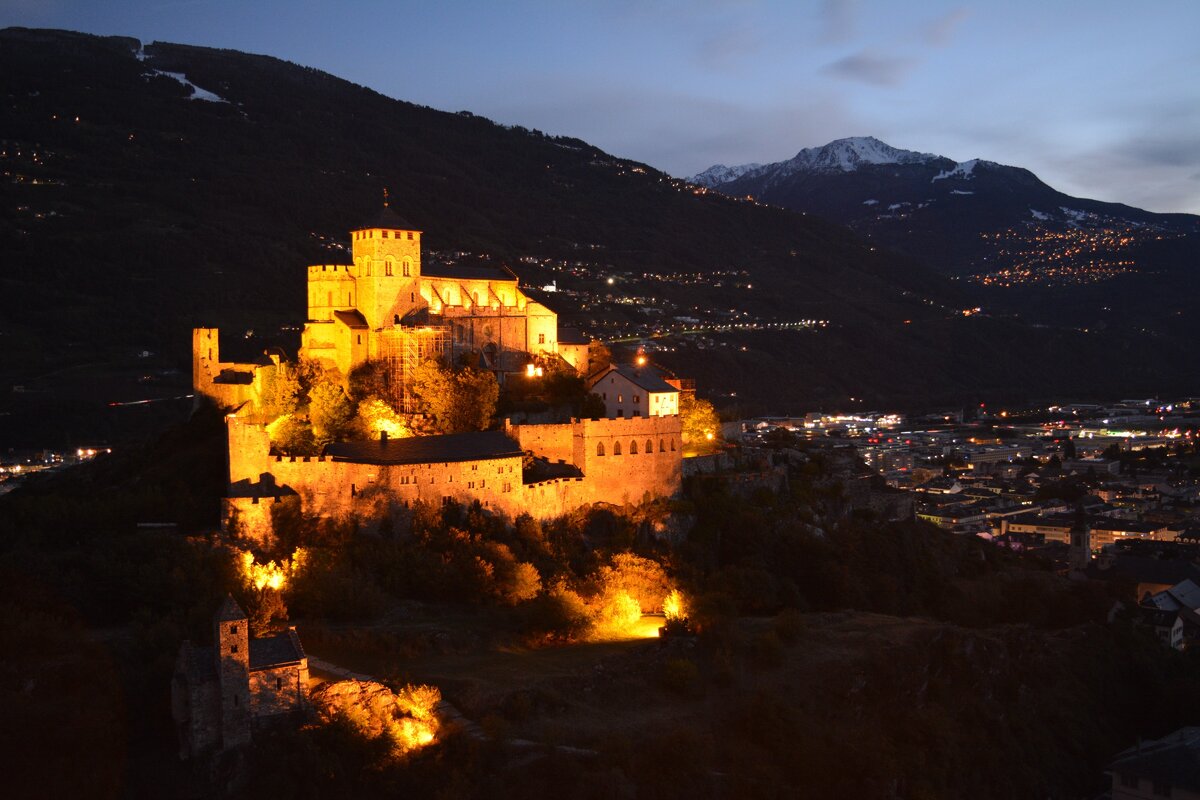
(635,390)
(1154,769)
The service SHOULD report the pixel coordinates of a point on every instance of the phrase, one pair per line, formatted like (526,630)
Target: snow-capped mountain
(943,212)
(840,155)
(719,173)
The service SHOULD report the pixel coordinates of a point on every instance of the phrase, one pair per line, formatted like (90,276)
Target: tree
(699,420)
(455,400)
(599,356)
(281,392)
(292,436)
(370,379)
(376,417)
(329,411)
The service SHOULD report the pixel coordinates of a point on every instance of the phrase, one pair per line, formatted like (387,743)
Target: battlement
(319,271)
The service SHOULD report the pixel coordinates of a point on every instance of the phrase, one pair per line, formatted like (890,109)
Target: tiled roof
(467,272)
(230,610)
(647,377)
(1174,759)
(477,446)
(274,651)
(387,218)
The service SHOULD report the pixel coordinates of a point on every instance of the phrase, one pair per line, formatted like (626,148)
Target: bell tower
(387,267)
(231,644)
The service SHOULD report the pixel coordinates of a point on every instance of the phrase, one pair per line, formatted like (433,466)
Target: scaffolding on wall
(403,349)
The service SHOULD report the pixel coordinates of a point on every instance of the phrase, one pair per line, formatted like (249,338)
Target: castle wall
(334,488)
(576,355)
(555,442)
(541,328)
(279,690)
(195,709)
(629,477)
(249,449)
(228,384)
(330,288)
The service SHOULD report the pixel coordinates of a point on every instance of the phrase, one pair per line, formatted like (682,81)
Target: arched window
(387,267)
(672,445)
(407,267)
(600,449)
(616,448)
(662,446)
(649,446)
(633,448)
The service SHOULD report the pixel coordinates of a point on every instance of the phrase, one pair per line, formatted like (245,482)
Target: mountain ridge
(133,213)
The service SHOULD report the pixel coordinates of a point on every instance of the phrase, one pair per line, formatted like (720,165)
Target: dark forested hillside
(132,209)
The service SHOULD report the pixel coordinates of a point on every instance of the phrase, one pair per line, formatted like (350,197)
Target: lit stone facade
(356,311)
(219,692)
(543,470)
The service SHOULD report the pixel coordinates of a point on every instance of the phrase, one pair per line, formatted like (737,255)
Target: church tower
(231,637)
(387,268)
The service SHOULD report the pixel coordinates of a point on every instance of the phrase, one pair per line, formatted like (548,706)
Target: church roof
(467,272)
(387,218)
(351,319)
(476,446)
(572,336)
(230,610)
(274,651)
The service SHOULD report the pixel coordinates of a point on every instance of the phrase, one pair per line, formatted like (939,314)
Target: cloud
(724,49)
(941,31)
(871,68)
(839,19)
(680,133)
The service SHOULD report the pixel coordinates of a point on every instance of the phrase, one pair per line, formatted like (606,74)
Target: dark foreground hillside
(131,211)
(835,656)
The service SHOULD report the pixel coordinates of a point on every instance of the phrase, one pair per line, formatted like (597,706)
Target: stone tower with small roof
(387,268)
(231,636)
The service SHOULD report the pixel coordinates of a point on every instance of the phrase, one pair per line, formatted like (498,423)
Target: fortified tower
(231,636)
(387,268)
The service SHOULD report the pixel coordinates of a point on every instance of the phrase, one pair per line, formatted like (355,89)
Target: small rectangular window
(410,235)
(541,338)
(385,234)
(278,684)
(233,629)
(233,648)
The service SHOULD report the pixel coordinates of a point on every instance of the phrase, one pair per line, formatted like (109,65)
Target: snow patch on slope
(197,92)
(963,169)
(719,173)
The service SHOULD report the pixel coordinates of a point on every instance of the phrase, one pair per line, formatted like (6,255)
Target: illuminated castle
(389,307)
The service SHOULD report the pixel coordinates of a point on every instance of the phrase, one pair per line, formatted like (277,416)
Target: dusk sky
(1100,99)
